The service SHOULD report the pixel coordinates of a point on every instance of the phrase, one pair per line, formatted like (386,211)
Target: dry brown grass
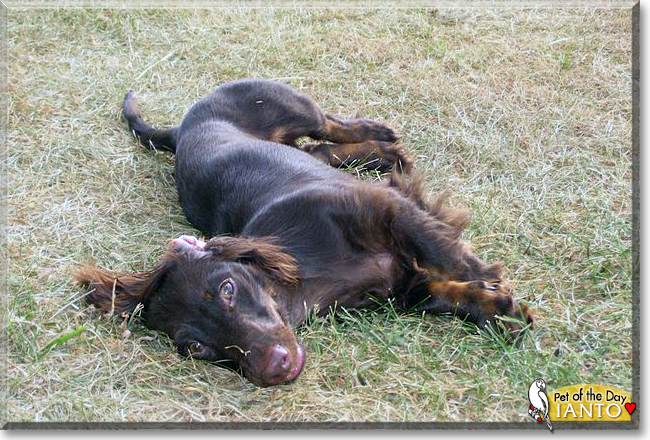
(523,113)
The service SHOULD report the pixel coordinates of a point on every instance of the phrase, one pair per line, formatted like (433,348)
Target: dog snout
(278,365)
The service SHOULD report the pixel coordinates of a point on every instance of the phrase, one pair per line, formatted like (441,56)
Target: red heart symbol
(630,407)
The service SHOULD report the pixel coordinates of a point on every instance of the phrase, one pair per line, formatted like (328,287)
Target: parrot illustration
(539,409)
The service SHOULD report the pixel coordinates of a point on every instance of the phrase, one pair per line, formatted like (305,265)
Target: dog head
(217,300)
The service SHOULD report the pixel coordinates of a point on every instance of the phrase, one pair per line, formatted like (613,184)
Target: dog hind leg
(354,131)
(371,155)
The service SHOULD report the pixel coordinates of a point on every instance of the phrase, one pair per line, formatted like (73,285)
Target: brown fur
(260,252)
(117,292)
(289,234)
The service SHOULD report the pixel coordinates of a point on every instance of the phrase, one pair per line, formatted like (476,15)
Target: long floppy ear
(118,292)
(260,252)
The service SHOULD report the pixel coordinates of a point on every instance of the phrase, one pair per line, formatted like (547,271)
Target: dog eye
(227,290)
(195,349)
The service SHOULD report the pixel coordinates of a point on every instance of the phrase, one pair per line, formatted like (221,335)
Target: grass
(523,113)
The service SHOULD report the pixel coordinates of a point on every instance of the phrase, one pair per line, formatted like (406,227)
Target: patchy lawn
(524,114)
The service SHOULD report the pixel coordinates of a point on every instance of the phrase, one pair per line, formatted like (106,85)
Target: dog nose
(279,363)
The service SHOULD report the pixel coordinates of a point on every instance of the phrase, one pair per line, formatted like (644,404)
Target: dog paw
(522,317)
(395,155)
(501,311)
(377,131)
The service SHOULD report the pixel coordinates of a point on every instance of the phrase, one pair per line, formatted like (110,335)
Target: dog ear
(260,252)
(118,292)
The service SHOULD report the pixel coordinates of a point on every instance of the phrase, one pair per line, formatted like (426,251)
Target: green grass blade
(60,341)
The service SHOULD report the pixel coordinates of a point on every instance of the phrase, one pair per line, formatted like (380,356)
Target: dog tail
(146,134)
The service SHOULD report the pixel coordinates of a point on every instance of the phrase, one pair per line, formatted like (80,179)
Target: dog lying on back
(289,233)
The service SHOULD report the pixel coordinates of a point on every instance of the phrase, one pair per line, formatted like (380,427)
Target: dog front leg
(480,302)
